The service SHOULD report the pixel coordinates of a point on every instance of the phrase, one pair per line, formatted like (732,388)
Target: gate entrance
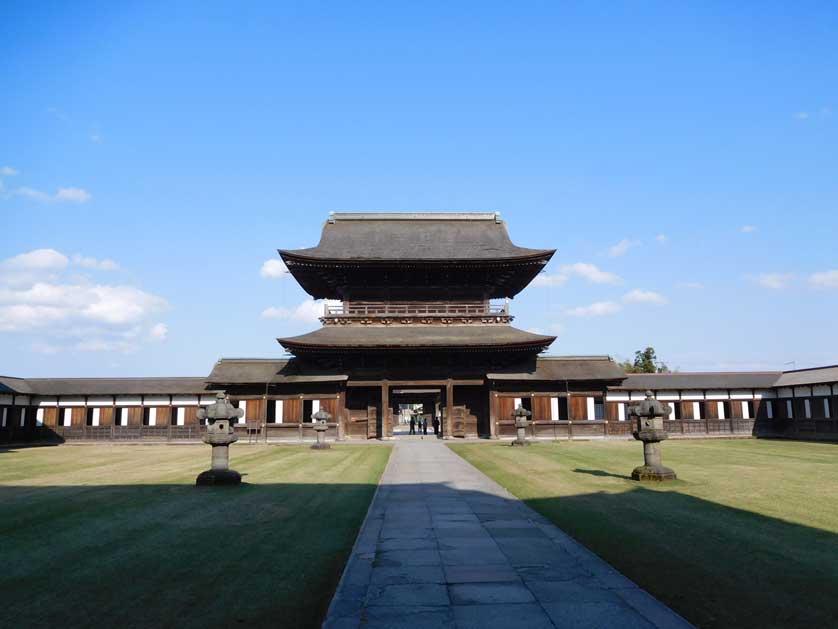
(416,413)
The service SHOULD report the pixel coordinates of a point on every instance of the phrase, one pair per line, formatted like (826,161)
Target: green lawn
(748,535)
(118,536)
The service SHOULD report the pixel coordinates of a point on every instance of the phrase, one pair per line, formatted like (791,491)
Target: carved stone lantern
(220,434)
(320,426)
(649,415)
(521,416)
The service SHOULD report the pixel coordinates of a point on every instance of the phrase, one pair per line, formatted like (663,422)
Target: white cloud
(72,195)
(159,331)
(638,296)
(548,279)
(661,237)
(802,115)
(92,263)
(824,279)
(774,281)
(36,298)
(273,269)
(308,311)
(7,171)
(596,309)
(584,270)
(622,247)
(748,229)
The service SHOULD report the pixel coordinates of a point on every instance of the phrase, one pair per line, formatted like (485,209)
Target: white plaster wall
(696,411)
(667,396)
(278,408)
(802,391)
(746,412)
(741,395)
(4,417)
(39,417)
(100,400)
(720,410)
(591,409)
(44,401)
(785,392)
(6,399)
(617,396)
(94,419)
(827,410)
(129,400)
(71,401)
(152,416)
(156,400)
(638,395)
(181,416)
(67,417)
(717,395)
(243,406)
(789,409)
(621,412)
(822,390)
(207,400)
(554,408)
(765,394)
(692,395)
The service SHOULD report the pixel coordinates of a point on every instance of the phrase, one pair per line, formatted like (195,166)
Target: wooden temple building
(417,314)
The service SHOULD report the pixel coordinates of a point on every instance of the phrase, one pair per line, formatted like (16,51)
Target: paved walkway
(445,546)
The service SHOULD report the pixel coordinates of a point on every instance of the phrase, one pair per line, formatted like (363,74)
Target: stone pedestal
(521,433)
(220,435)
(320,429)
(649,415)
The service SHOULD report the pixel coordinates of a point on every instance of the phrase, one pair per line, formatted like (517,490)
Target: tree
(645,361)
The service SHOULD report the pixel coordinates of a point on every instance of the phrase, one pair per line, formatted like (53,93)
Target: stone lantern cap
(221,409)
(321,417)
(650,413)
(650,407)
(521,416)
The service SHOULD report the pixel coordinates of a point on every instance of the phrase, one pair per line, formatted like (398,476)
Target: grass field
(747,537)
(117,536)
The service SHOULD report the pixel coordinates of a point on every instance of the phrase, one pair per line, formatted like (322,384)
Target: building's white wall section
(156,400)
(696,410)
(591,408)
(621,412)
(71,401)
(100,400)
(278,408)
(822,390)
(617,396)
(39,417)
(94,417)
(638,395)
(717,395)
(765,394)
(802,391)
(152,416)
(692,395)
(43,401)
(554,408)
(667,396)
(243,406)
(741,395)
(185,400)
(5,399)
(181,416)
(67,417)
(785,392)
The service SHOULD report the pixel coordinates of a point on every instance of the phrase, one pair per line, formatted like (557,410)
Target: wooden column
(449,406)
(340,416)
(385,410)
(493,415)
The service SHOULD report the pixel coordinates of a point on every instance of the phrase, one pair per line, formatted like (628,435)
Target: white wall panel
(100,400)
(802,391)
(696,410)
(617,396)
(181,416)
(765,394)
(591,408)
(4,417)
(717,395)
(746,411)
(152,416)
(667,396)
(554,408)
(278,408)
(22,417)
(243,406)
(67,417)
(5,399)
(785,392)
(71,401)
(207,399)
(129,400)
(827,410)
(621,412)
(741,395)
(44,401)
(789,409)
(638,395)
(39,417)
(692,395)
(720,409)
(156,400)
(822,390)
(94,417)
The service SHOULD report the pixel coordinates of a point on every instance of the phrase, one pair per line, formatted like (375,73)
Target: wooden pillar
(493,415)
(449,405)
(340,406)
(386,429)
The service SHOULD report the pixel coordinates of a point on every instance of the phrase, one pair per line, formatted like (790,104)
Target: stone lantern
(220,435)
(649,415)
(320,426)
(521,414)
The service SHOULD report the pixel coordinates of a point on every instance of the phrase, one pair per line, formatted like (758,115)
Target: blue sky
(154,157)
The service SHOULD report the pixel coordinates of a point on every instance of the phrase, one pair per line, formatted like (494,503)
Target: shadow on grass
(272,554)
(602,473)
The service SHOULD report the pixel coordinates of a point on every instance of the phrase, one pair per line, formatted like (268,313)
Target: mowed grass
(747,537)
(118,536)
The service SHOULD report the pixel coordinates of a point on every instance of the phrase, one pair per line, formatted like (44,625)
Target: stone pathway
(445,546)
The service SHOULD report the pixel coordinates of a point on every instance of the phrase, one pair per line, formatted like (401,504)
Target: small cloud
(775,281)
(584,270)
(596,309)
(308,311)
(159,331)
(7,171)
(95,138)
(802,115)
(748,229)
(824,279)
(92,263)
(661,238)
(637,296)
(548,279)
(273,269)
(622,247)
(72,195)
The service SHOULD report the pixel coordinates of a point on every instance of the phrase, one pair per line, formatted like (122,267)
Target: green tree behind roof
(645,361)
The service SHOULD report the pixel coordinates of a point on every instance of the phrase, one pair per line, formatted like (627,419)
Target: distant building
(417,313)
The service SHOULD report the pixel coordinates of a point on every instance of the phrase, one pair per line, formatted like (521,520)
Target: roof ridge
(414,216)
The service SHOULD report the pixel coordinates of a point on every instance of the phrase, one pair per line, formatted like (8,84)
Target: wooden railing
(418,308)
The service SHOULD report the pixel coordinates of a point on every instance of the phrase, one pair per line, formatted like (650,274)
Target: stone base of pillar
(653,472)
(216,478)
(517,442)
(321,446)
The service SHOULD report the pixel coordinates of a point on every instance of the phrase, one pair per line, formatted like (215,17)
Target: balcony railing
(491,308)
